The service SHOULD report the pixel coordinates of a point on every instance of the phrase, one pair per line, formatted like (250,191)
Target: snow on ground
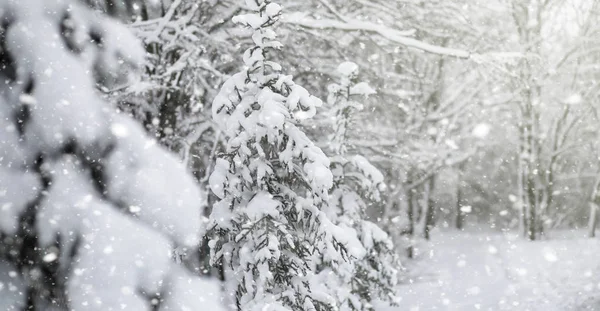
(495,271)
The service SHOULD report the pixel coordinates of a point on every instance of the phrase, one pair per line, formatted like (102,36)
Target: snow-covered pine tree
(270,233)
(90,208)
(341,103)
(357,181)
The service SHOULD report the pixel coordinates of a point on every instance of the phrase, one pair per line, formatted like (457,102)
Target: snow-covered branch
(399,37)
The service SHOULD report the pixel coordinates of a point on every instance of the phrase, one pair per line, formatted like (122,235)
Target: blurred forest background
(484,113)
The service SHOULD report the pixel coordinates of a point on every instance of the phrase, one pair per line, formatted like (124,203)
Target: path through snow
(494,271)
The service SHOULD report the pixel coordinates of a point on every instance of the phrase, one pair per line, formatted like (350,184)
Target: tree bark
(521,199)
(411,222)
(460,216)
(531,234)
(429,208)
(594,204)
(593,220)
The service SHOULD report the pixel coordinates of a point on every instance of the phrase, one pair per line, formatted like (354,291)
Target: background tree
(357,184)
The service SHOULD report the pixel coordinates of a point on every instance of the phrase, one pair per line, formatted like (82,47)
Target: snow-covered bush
(357,181)
(91,210)
(270,232)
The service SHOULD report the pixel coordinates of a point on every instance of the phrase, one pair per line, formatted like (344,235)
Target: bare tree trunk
(423,207)
(542,212)
(521,183)
(411,222)
(594,203)
(523,204)
(429,208)
(532,209)
(593,220)
(460,216)
(528,178)
(532,160)
(524,13)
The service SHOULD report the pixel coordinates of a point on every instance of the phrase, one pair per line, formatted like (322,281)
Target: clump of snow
(187,292)
(466,208)
(273,9)
(122,53)
(269,12)
(348,69)
(143,175)
(481,130)
(362,88)
(53,119)
(574,99)
(372,234)
(348,72)
(550,254)
(118,262)
(218,178)
(66,203)
(374,176)
(451,143)
(262,205)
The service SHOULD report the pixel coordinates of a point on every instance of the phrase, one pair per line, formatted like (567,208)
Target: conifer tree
(91,209)
(270,233)
(356,182)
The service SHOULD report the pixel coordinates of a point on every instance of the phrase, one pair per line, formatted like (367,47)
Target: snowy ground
(494,271)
